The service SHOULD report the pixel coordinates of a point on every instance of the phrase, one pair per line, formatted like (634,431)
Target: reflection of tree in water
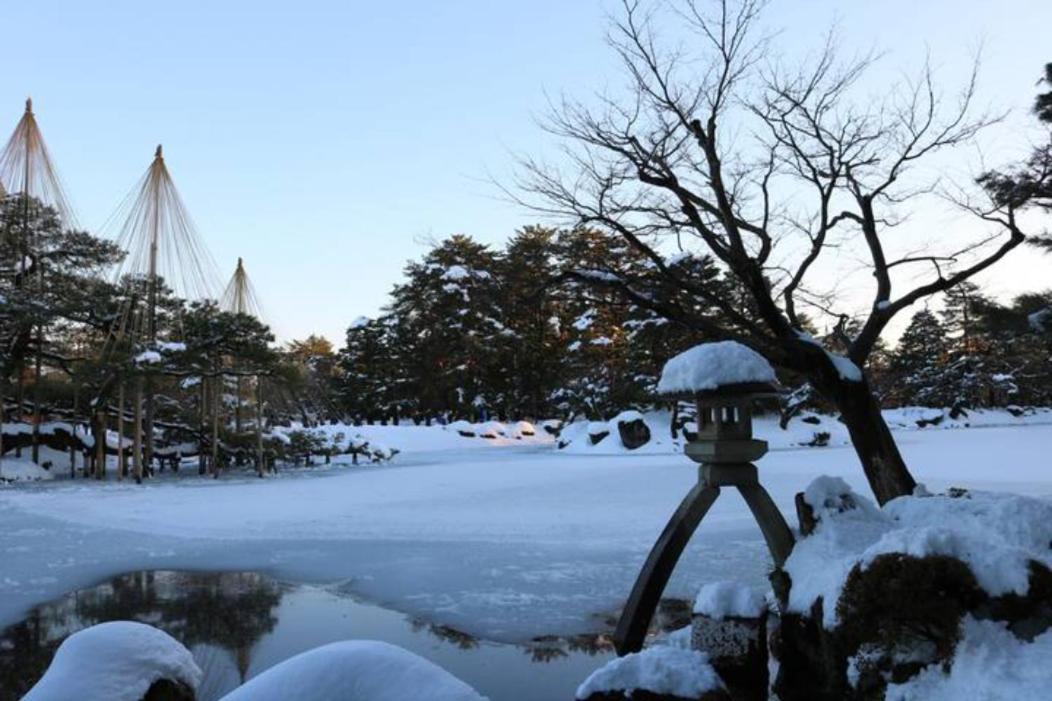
(231,610)
(464,641)
(551,647)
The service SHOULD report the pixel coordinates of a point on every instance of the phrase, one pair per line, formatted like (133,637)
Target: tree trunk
(870,436)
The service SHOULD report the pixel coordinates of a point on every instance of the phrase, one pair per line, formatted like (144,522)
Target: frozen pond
(240,623)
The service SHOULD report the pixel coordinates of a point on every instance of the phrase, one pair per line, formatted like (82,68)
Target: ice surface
(711,365)
(505,539)
(116,661)
(355,670)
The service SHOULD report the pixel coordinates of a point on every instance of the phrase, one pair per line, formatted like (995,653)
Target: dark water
(238,624)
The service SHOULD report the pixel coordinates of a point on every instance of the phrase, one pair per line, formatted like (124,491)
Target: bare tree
(769,171)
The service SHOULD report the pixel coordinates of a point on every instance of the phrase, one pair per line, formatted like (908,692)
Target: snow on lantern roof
(711,366)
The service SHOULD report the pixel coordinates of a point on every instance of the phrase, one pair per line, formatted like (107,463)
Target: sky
(327,142)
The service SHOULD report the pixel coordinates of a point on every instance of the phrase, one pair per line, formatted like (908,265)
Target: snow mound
(462,427)
(711,365)
(355,670)
(990,663)
(720,600)
(661,669)
(995,535)
(116,661)
(22,469)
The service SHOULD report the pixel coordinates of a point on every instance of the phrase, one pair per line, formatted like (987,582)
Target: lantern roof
(725,366)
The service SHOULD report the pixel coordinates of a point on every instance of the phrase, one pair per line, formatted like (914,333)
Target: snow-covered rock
(355,670)
(522,429)
(464,428)
(116,661)
(995,535)
(711,365)
(491,429)
(661,669)
(631,428)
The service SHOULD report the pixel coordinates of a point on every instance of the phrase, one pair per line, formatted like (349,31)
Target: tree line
(472,332)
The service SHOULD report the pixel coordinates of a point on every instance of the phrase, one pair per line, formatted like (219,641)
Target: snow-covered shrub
(354,670)
(117,661)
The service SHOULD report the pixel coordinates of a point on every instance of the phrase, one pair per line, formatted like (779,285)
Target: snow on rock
(711,365)
(115,661)
(720,600)
(990,663)
(832,495)
(661,669)
(626,417)
(995,535)
(355,670)
(491,429)
(520,429)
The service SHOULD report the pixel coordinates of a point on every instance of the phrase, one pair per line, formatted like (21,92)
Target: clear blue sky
(327,141)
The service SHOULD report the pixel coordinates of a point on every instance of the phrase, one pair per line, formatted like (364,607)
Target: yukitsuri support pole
(259,426)
(100,444)
(151,329)
(237,418)
(216,387)
(73,425)
(137,432)
(202,467)
(122,455)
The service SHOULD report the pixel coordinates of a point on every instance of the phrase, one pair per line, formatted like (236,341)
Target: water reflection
(238,624)
(230,611)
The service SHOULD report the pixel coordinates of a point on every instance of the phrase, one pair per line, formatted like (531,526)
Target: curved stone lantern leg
(650,584)
(643,601)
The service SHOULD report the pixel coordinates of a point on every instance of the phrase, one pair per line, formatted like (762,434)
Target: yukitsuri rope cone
(163,250)
(26,170)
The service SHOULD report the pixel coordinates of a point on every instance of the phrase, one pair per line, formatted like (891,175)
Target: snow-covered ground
(506,539)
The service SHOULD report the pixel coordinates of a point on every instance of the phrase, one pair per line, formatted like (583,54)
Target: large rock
(597,431)
(632,429)
(730,626)
(657,673)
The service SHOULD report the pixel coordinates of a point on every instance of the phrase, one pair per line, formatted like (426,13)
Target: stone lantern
(724,380)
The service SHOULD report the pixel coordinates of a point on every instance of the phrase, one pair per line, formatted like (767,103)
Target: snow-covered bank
(505,543)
